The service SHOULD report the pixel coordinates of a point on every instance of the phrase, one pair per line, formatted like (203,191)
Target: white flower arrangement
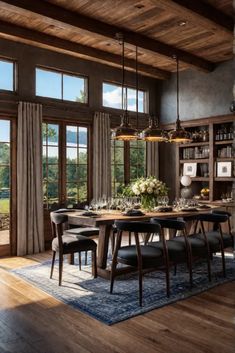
(149,186)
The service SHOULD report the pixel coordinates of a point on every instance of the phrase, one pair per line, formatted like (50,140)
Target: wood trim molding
(220,119)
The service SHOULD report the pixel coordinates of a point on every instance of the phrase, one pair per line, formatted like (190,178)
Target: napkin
(89,214)
(189,209)
(62,210)
(164,209)
(133,213)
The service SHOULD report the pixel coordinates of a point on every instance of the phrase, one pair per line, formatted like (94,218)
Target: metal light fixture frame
(179,135)
(124,132)
(153,133)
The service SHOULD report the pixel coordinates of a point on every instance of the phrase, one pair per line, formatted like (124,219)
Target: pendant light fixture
(179,135)
(124,132)
(153,133)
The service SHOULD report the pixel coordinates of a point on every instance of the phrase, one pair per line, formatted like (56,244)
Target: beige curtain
(101,155)
(152,159)
(30,237)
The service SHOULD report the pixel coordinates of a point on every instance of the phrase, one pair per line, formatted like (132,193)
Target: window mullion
(126,162)
(62,162)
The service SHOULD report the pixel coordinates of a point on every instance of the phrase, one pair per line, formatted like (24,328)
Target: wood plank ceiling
(199,32)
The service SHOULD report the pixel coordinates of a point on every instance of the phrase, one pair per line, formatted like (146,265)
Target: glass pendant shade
(179,135)
(153,133)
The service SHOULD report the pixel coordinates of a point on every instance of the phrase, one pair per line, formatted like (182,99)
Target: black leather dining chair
(228,236)
(178,252)
(67,244)
(137,256)
(216,239)
(197,247)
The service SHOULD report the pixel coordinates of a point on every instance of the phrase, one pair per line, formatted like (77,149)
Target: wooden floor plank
(32,321)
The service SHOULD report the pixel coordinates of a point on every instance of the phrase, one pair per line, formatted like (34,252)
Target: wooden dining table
(104,222)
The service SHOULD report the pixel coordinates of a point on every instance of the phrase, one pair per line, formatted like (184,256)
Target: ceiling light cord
(137,88)
(177,88)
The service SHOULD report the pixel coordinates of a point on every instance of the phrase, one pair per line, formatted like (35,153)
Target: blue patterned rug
(92,296)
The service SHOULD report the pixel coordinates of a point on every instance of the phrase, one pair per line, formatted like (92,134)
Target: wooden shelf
(201,160)
(225,142)
(200,178)
(224,179)
(225,159)
(217,185)
(194,144)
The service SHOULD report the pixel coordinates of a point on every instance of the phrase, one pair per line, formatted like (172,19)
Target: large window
(137,159)
(58,85)
(76,163)
(5,156)
(112,97)
(51,163)
(7,75)
(128,163)
(65,164)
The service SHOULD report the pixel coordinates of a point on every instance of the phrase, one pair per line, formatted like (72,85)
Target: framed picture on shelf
(190,169)
(224,169)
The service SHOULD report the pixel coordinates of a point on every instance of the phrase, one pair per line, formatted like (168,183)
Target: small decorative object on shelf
(149,189)
(205,193)
(186,191)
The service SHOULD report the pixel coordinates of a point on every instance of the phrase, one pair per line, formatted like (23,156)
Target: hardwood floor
(31,321)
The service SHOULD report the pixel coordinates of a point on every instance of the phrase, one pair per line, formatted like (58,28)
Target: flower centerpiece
(149,189)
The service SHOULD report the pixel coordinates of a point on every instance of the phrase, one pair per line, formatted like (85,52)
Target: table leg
(103,245)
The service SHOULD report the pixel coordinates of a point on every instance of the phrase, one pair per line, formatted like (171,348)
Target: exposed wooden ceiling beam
(207,12)
(55,42)
(86,23)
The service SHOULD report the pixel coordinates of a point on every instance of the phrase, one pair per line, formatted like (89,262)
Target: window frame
(62,180)
(118,84)
(127,165)
(62,73)
(15,76)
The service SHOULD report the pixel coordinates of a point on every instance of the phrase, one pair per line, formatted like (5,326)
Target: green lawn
(4,205)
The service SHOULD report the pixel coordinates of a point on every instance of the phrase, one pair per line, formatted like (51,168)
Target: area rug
(91,296)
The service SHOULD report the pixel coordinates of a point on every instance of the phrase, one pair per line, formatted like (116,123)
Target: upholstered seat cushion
(177,250)
(198,245)
(70,244)
(214,240)
(151,256)
(85,231)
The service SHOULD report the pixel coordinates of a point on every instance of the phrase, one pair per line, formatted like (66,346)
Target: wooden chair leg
(209,267)
(175,270)
(140,287)
(52,263)
(129,238)
(60,268)
(94,264)
(85,257)
(112,274)
(223,260)
(167,282)
(79,261)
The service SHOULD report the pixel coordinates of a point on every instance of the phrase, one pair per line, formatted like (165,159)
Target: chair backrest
(137,227)
(222,213)
(57,222)
(169,223)
(213,217)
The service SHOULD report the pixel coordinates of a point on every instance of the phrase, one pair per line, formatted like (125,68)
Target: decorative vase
(148,202)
